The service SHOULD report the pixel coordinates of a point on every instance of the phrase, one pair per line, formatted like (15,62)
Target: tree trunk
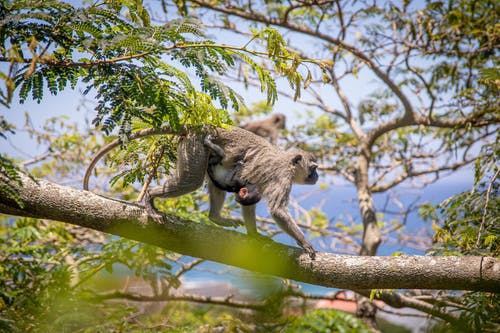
(371,231)
(366,310)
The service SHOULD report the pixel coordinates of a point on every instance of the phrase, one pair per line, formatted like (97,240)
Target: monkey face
(305,172)
(279,120)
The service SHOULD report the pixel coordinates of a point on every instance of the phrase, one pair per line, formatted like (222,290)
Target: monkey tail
(136,135)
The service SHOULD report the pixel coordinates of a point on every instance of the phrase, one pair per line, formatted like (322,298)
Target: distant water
(340,202)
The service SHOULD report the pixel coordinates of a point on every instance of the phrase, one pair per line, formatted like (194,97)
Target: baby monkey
(228,180)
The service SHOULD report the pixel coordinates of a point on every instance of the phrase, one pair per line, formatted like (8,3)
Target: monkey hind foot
(160,217)
(309,250)
(155,214)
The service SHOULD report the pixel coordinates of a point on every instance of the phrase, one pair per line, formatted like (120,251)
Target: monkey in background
(258,162)
(267,128)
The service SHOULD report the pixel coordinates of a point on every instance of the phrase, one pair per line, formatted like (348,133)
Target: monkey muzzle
(313,176)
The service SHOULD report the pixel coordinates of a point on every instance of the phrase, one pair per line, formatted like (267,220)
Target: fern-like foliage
(10,180)
(9,177)
(139,72)
(144,160)
(137,69)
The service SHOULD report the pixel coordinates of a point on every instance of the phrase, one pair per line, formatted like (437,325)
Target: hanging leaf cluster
(136,69)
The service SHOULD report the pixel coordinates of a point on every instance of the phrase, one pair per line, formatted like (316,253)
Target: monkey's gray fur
(271,169)
(267,128)
(228,180)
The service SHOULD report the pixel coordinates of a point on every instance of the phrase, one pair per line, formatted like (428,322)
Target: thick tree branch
(474,119)
(47,200)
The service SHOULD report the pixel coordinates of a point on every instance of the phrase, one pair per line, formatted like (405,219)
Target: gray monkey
(269,168)
(267,128)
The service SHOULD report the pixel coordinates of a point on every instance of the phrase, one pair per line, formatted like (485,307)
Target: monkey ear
(296,159)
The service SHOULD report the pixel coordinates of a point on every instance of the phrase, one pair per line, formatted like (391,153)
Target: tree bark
(372,238)
(47,200)
(371,231)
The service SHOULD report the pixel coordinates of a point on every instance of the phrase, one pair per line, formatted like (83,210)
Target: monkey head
(305,167)
(279,120)
(247,195)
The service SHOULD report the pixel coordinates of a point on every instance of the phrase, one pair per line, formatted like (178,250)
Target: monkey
(270,169)
(273,171)
(267,128)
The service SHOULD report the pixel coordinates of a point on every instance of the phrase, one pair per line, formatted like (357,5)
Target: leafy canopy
(137,69)
(141,73)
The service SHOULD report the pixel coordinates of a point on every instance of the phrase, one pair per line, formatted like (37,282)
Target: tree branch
(408,118)
(249,15)
(408,175)
(47,200)
(70,63)
(226,301)
(337,170)
(398,301)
